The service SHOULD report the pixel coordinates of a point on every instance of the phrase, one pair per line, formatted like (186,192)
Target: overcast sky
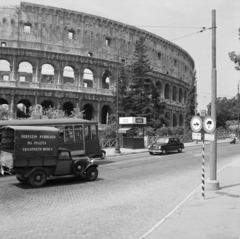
(163,16)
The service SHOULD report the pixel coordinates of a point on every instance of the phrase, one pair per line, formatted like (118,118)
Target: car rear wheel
(103,154)
(92,174)
(180,150)
(151,153)
(38,179)
(164,151)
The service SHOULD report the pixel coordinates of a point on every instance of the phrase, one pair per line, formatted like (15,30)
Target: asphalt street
(132,193)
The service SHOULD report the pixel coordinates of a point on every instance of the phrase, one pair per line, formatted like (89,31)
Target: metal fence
(109,143)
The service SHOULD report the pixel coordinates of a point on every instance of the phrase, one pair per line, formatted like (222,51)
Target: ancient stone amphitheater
(53,56)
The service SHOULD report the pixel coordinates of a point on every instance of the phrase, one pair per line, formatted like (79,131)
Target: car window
(171,141)
(176,141)
(162,140)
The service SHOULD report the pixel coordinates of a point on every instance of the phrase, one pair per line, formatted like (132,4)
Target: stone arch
(175,121)
(88,112)
(180,99)
(3,101)
(180,120)
(185,97)
(174,95)
(47,73)
(4,70)
(25,71)
(68,75)
(23,108)
(105,114)
(47,104)
(168,118)
(167,92)
(88,78)
(106,79)
(68,108)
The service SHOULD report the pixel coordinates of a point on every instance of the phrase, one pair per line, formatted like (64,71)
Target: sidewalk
(215,217)
(111,151)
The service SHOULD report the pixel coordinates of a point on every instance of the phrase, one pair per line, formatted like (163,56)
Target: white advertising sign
(132,120)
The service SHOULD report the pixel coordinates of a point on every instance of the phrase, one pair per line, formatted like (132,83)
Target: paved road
(132,194)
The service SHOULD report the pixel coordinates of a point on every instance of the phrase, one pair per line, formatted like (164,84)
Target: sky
(178,21)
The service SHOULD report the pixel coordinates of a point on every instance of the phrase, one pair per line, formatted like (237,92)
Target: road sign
(209,137)
(196,124)
(197,136)
(209,124)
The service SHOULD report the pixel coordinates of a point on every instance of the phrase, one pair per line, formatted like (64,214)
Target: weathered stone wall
(48,35)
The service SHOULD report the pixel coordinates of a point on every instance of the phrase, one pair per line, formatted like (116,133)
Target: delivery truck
(36,155)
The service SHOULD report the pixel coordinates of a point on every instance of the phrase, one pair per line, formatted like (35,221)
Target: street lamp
(117,145)
(238,108)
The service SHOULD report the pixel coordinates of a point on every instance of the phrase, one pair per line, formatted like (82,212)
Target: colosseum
(58,57)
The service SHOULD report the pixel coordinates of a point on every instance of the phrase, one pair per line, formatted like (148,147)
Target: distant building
(53,56)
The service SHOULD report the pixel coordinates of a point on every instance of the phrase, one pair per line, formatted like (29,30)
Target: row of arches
(176,119)
(48,74)
(22,109)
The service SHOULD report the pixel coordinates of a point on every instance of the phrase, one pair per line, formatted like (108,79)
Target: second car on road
(165,145)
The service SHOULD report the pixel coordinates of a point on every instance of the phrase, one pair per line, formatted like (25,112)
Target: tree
(226,110)
(191,102)
(235,58)
(142,99)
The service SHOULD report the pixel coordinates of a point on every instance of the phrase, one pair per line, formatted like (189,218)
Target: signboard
(203,113)
(209,137)
(132,120)
(209,124)
(196,124)
(197,136)
(30,141)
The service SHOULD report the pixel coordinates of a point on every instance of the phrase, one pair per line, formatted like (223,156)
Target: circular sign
(196,124)
(209,124)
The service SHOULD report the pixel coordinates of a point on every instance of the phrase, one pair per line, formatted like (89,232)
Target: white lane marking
(169,214)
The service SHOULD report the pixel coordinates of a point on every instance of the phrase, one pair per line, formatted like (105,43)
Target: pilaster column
(59,74)
(99,111)
(13,69)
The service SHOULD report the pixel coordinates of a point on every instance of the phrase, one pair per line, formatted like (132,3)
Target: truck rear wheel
(38,179)
(92,174)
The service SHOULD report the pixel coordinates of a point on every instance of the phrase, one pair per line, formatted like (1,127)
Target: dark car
(166,144)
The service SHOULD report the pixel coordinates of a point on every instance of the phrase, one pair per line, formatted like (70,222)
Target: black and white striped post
(203,170)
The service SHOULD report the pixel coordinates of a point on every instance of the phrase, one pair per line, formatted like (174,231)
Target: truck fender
(89,166)
(30,173)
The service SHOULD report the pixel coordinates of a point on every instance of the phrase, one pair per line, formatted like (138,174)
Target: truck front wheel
(92,174)
(38,179)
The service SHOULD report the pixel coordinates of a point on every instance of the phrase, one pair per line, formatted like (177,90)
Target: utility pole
(196,98)
(238,110)
(212,183)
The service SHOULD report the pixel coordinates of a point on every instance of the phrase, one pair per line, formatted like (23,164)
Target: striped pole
(203,171)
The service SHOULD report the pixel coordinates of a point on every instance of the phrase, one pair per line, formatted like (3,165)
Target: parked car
(165,145)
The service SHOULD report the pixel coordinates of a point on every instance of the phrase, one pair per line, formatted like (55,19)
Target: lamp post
(238,108)
(117,145)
